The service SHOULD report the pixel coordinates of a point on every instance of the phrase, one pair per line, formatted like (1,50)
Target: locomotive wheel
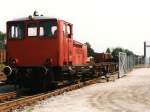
(48,80)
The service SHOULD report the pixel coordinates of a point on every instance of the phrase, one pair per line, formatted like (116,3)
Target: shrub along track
(30,100)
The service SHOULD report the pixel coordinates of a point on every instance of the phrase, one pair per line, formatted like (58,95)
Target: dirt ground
(127,94)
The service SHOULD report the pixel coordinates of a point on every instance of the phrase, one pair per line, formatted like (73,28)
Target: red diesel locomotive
(38,48)
(41,53)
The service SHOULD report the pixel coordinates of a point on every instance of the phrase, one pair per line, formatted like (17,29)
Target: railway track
(2,83)
(7,96)
(30,100)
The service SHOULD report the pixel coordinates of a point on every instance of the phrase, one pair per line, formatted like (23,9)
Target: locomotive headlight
(7,70)
(12,61)
(49,61)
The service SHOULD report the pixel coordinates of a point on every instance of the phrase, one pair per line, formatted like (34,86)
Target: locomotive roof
(33,18)
(77,43)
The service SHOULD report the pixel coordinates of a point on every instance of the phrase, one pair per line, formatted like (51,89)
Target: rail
(7,96)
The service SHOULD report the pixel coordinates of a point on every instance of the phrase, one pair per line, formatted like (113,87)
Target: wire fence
(128,63)
(122,64)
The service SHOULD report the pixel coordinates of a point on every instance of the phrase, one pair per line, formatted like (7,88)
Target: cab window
(32,29)
(16,30)
(67,30)
(39,28)
(47,29)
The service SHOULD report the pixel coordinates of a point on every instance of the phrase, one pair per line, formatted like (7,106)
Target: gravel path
(128,94)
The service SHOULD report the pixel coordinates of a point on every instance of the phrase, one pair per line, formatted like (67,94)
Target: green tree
(108,50)
(89,49)
(2,39)
(115,53)
(128,52)
(2,36)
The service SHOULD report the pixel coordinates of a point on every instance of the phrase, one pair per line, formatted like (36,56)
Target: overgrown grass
(29,110)
(26,110)
(1,67)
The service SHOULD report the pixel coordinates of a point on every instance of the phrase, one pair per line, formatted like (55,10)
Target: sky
(102,23)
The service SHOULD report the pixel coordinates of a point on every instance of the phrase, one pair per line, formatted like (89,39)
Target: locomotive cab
(38,40)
